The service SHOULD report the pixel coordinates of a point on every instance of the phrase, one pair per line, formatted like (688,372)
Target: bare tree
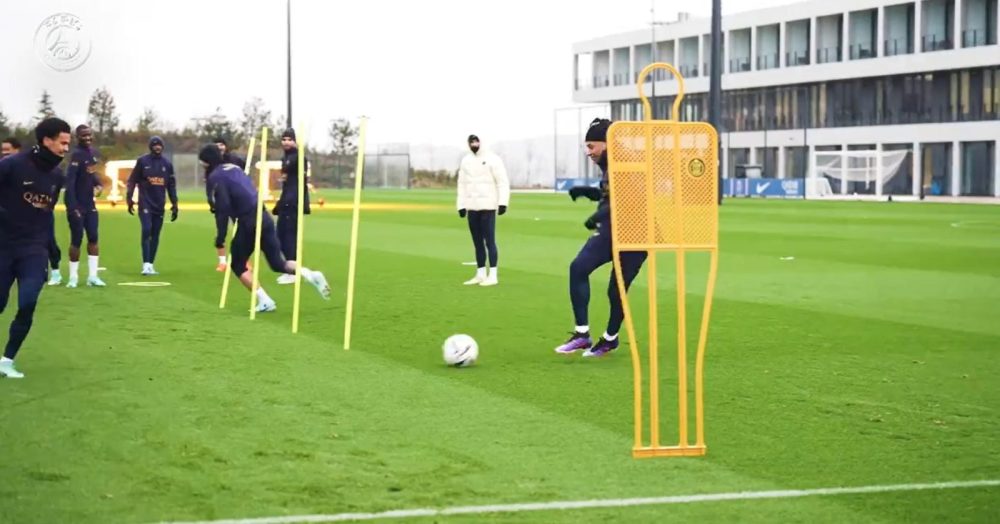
(103,113)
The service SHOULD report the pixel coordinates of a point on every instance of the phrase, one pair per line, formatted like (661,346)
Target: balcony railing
(977,38)
(796,58)
(861,51)
(602,81)
(768,61)
(936,43)
(688,70)
(738,65)
(898,46)
(829,54)
(622,79)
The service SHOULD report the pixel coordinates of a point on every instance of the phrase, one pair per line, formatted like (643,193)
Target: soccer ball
(460,351)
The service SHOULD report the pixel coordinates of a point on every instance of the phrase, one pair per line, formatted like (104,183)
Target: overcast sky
(428,71)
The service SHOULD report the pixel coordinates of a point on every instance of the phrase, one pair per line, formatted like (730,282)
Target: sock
(583,329)
(74,269)
(55,272)
(92,265)
(610,338)
(262,296)
(493,272)
(481,272)
(222,259)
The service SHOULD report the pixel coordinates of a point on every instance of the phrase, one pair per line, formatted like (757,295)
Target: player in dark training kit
(81,210)
(232,195)
(29,189)
(12,146)
(594,254)
(287,207)
(154,176)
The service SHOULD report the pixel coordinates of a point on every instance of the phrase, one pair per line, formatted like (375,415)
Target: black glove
(591,193)
(131,208)
(275,210)
(503,209)
(173,214)
(461,213)
(590,224)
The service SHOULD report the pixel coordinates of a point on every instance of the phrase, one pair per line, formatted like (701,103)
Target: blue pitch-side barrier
(764,187)
(731,187)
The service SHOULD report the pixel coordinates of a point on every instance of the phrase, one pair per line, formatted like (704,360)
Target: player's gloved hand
(592,193)
(173,214)
(77,213)
(503,209)
(275,210)
(461,213)
(211,208)
(131,208)
(590,224)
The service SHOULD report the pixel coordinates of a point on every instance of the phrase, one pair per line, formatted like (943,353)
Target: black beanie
(154,140)
(598,131)
(473,138)
(289,133)
(210,155)
(220,140)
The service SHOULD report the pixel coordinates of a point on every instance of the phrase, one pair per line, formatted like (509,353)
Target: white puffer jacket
(482,182)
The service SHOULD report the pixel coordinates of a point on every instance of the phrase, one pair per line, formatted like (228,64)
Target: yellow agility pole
(359,171)
(229,256)
(262,183)
(663,183)
(302,139)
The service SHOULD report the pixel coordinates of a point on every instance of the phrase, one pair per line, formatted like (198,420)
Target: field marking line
(603,503)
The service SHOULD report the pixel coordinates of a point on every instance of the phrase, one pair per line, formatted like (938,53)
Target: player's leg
(75,241)
(287,229)
(595,253)
(55,256)
(29,270)
(631,264)
(146,233)
(156,225)
(476,232)
(488,225)
(221,226)
(93,252)
(241,248)
(271,249)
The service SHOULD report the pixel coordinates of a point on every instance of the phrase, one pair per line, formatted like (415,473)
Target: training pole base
(669,451)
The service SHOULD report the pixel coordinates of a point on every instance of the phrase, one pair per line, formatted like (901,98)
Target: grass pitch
(868,358)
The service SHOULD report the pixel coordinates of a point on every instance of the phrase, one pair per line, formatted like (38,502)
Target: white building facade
(922,76)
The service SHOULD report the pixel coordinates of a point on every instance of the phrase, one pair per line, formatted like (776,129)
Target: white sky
(424,71)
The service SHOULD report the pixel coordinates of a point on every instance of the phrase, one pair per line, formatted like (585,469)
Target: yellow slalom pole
(261,186)
(359,170)
(229,256)
(300,225)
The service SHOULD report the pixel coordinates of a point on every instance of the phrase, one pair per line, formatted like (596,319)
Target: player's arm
(463,185)
(592,193)
(502,183)
(172,191)
(289,196)
(133,179)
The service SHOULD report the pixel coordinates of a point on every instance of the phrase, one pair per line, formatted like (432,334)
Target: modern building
(922,76)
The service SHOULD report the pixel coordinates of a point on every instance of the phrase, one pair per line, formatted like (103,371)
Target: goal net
(840,174)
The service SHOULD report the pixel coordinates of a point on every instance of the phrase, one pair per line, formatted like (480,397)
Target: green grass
(871,358)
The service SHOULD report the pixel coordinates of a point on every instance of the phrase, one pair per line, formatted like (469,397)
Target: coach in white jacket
(483,193)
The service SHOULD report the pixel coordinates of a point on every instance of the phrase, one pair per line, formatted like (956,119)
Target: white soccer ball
(460,351)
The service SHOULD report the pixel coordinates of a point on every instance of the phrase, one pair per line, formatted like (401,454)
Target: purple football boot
(575,343)
(601,348)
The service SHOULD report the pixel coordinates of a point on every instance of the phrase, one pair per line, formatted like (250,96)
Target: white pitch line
(603,503)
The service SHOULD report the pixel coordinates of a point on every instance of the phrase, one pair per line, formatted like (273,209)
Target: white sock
(92,265)
(493,272)
(610,337)
(583,329)
(222,259)
(4,360)
(74,269)
(262,296)
(481,272)
(55,272)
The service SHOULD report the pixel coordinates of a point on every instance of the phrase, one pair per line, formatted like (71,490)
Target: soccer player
(232,195)
(81,210)
(29,189)
(483,193)
(287,207)
(12,146)
(154,175)
(228,156)
(595,253)
(9,146)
